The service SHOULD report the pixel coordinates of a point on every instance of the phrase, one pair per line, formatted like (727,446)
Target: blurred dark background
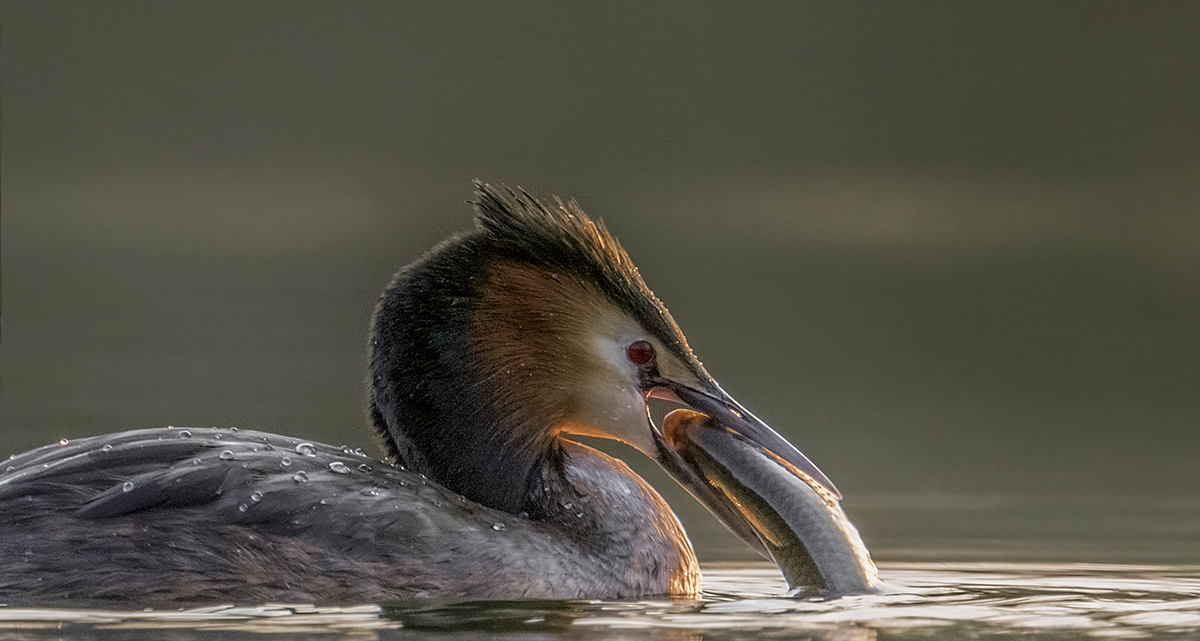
(951,250)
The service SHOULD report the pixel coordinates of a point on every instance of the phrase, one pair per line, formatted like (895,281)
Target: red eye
(640,352)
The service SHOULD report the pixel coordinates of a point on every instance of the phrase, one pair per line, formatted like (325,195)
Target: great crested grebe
(486,356)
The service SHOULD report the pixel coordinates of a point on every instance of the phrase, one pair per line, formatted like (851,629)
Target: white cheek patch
(613,405)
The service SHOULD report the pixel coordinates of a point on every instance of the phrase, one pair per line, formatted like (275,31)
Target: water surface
(741,600)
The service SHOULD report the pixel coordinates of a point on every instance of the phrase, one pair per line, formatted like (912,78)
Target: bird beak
(726,411)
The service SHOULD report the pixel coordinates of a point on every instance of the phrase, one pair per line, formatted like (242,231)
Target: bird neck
(440,407)
(615,517)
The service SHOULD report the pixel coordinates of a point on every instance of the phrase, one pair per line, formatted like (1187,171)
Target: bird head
(533,327)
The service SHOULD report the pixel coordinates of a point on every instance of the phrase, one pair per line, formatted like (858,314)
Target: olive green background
(951,250)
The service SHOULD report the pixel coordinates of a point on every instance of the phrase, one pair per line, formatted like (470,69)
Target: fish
(799,520)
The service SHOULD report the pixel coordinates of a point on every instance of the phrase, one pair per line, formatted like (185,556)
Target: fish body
(800,521)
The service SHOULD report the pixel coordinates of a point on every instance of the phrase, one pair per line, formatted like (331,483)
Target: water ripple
(928,601)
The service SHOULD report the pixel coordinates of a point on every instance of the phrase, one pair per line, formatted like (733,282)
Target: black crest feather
(562,237)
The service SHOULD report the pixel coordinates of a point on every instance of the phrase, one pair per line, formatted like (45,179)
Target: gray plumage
(171,517)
